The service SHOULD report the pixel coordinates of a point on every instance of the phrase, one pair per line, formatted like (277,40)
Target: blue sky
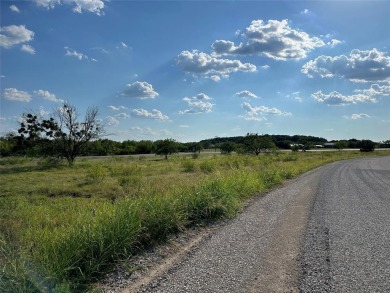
(192,70)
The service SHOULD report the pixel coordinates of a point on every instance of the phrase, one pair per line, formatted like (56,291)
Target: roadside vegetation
(62,227)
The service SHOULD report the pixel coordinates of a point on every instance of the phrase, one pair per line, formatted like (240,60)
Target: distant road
(326,231)
(208,153)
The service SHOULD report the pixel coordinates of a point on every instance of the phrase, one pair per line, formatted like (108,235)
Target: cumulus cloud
(154,114)
(73,53)
(259,113)
(334,42)
(246,94)
(13,94)
(198,104)
(274,39)
(28,49)
(359,116)
(117,108)
(122,116)
(359,66)
(14,8)
(111,121)
(337,99)
(14,34)
(376,90)
(48,96)
(94,6)
(139,89)
(199,63)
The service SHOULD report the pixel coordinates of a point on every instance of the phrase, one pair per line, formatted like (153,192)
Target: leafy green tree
(227,147)
(166,147)
(144,147)
(256,144)
(341,144)
(367,145)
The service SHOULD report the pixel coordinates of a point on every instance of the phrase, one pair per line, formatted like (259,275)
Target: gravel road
(326,231)
(347,243)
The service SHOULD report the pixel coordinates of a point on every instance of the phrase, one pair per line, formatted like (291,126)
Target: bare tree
(72,134)
(64,129)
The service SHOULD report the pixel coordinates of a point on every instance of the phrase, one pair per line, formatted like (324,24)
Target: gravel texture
(256,252)
(347,243)
(326,231)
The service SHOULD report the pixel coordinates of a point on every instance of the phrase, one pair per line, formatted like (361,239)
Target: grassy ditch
(62,227)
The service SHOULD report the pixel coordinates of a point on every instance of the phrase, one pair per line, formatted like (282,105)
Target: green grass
(62,228)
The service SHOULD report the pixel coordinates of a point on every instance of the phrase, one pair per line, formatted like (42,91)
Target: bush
(367,145)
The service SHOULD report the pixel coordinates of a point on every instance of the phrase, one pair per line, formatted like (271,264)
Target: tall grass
(54,241)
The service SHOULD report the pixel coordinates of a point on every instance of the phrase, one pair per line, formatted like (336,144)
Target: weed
(97,174)
(188,165)
(207,166)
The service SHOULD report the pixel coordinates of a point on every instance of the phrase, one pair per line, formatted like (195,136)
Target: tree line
(65,135)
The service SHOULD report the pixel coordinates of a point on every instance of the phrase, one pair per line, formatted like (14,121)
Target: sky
(192,70)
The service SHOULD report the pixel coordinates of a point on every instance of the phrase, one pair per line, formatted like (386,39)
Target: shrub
(367,145)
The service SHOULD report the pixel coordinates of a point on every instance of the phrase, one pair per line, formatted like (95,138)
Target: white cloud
(359,66)
(334,42)
(124,45)
(296,96)
(184,126)
(117,108)
(94,6)
(274,39)
(13,94)
(259,113)
(48,4)
(199,63)
(48,96)
(14,34)
(359,116)
(139,89)
(376,90)
(337,99)
(246,94)
(305,11)
(265,67)
(28,49)
(155,114)
(198,104)
(111,121)
(14,8)
(73,53)
(122,116)
(216,78)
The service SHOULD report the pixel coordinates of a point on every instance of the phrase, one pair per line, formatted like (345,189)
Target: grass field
(62,227)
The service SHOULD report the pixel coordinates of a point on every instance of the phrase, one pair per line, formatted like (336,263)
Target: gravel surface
(256,252)
(347,243)
(326,231)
